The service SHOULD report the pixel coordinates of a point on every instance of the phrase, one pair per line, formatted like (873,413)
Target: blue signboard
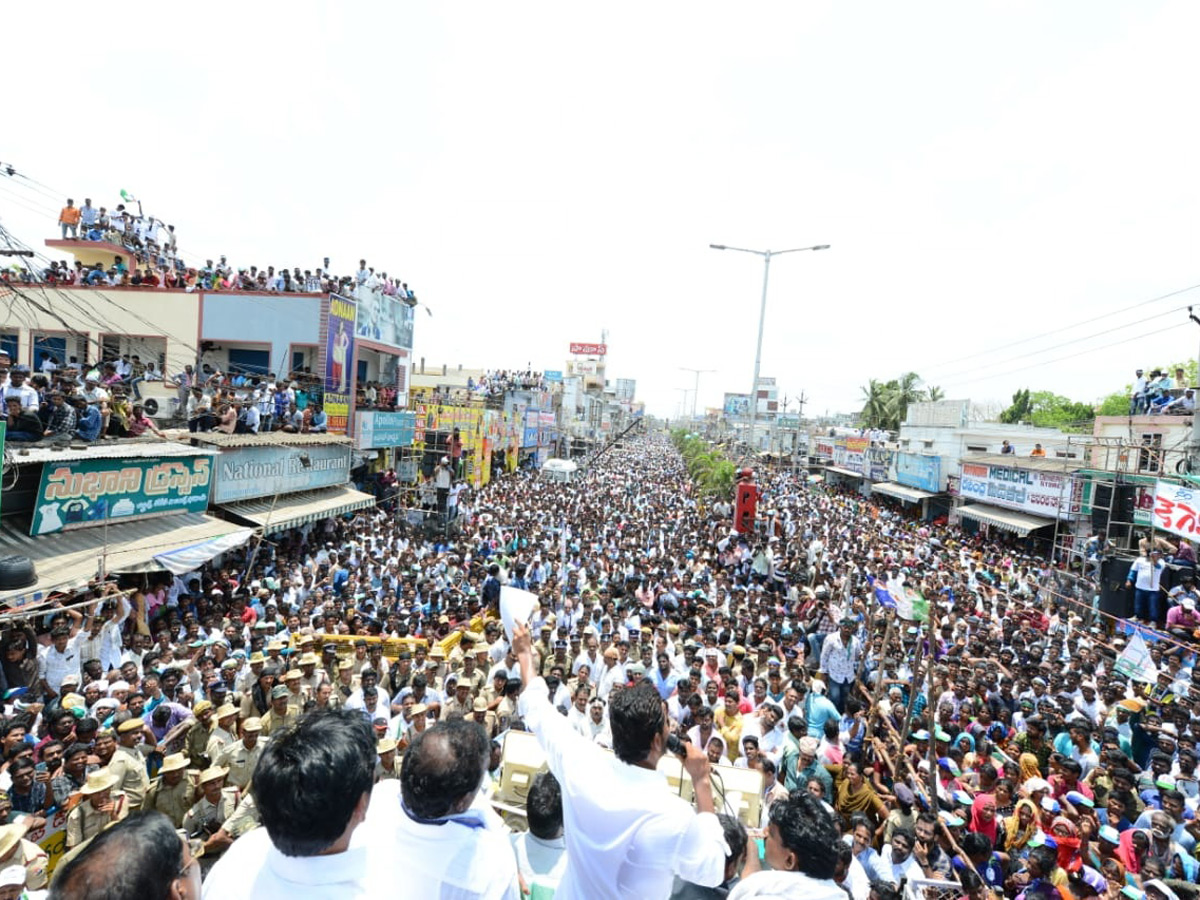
(552,376)
(919,471)
(385,429)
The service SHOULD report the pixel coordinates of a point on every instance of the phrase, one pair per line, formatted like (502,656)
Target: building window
(976,448)
(1150,453)
(928,445)
(1063,454)
(904,443)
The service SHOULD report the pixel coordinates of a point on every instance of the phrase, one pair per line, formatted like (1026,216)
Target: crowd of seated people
(246,403)
(502,380)
(1161,394)
(376,395)
(75,401)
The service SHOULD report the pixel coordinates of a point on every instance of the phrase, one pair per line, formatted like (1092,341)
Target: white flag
(1134,661)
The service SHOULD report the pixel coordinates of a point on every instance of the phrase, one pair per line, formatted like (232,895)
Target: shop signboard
(879,463)
(553,376)
(916,470)
(339,363)
(584,349)
(1047,494)
(383,320)
(85,492)
(245,473)
(384,429)
(737,404)
(850,453)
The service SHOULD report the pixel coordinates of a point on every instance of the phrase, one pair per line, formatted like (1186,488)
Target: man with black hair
(542,850)
(141,856)
(435,825)
(312,786)
(802,848)
(626,836)
(735,839)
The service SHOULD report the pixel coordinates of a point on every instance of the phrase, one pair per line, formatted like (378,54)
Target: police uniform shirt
(272,723)
(208,816)
(85,821)
(130,769)
(173,802)
(218,740)
(240,762)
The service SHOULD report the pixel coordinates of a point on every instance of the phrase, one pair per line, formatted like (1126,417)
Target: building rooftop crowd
(503,380)
(152,260)
(997,750)
(1160,393)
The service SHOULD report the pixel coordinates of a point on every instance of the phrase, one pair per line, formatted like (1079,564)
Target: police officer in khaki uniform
(344,686)
(484,716)
(171,793)
(216,804)
(100,807)
(388,765)
(196,743)
(474,676)
(280,715)
(240,757)
(128,764)
(16,851)
(223,734)
(292,680)
(312,676)
(460,702)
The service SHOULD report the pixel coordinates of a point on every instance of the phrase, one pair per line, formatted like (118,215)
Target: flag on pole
(912,605)
(884,597)
(1135,662)
(128,197)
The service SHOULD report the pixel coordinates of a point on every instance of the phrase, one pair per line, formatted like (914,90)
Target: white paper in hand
(516,608)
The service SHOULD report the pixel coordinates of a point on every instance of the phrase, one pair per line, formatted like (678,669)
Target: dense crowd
(990,745)
(1161,394)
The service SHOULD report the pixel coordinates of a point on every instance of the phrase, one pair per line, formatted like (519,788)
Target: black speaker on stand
(1115,598)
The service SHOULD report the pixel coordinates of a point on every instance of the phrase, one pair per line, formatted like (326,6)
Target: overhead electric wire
(1047,362)
(1091,319)
(1078,340)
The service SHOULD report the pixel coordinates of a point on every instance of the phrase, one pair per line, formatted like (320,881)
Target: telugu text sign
(1028,490)
(85,492)
(384,429)
(582,349)
(1177,509)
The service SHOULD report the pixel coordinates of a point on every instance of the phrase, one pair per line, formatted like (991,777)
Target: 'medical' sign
(1029,490)
(589,349)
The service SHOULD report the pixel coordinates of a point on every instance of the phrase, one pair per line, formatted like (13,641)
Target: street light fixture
(762,315)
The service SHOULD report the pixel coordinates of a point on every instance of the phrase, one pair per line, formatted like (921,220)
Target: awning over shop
(70,559)
(1004,519)
(901,492)
(294,510)
(839,471)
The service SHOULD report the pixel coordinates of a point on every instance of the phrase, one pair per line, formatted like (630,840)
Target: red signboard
(589,349)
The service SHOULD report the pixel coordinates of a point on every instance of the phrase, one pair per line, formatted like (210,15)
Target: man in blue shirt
(87,420)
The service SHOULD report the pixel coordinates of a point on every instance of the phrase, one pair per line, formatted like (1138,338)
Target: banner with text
(85,492)
(1177,509)
(245,473)
(919,471)
(1028,490)
(583,349)
(384,429)
(339,363)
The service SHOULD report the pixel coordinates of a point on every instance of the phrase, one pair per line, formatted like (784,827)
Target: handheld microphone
(676,746)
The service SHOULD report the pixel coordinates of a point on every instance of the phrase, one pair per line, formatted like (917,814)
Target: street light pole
(762,316)
(696,390)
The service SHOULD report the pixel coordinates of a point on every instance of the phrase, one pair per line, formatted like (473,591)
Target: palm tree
(934,393)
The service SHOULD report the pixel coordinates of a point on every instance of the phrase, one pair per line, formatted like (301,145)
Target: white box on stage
(522,758)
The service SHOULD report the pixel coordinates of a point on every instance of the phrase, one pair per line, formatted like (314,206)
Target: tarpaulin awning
(901,491)
(840,471)
(293,510)
(1004,519)
(70,559)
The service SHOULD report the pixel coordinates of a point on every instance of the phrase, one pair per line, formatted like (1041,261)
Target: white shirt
(254,870)
(539,861)
(452,861)
(627,834)
(789,885)
(54,666)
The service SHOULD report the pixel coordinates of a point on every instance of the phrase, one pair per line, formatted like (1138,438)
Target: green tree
(885,404)
(1020,409)
(933,393)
